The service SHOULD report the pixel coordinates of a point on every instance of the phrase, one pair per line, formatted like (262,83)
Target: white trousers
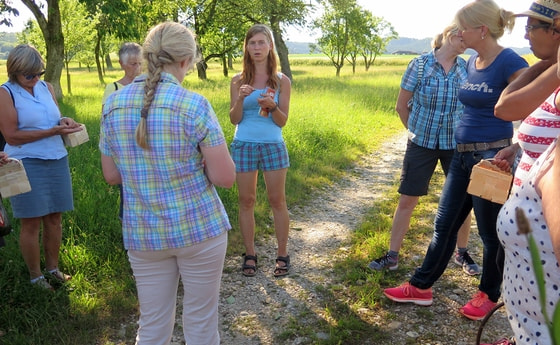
(157,278)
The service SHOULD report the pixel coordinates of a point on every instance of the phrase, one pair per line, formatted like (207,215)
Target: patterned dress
(520,290)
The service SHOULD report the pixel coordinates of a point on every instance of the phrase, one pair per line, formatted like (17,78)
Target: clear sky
(422,19)
(410,18)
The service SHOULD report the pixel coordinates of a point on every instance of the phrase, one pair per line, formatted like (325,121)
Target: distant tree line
(87,31)
(8,40)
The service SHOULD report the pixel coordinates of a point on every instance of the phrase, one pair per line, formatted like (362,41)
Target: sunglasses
(32,76)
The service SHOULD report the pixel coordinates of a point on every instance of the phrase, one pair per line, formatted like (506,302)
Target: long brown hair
(248,73)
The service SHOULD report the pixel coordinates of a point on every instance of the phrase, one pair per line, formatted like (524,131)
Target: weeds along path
(257,310)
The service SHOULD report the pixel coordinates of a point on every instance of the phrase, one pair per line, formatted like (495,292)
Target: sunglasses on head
(32,76)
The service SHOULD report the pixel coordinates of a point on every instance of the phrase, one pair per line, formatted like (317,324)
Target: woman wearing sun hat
(533,98)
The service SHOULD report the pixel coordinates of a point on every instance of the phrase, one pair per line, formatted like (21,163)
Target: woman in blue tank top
(260,102)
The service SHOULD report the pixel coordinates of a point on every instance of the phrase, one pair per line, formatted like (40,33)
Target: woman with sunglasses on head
(32,126)
(479,135)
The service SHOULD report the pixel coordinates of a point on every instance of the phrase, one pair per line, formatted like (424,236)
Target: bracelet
(274,108)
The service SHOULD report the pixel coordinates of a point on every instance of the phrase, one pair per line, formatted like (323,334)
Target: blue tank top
(254,127)
(35,112)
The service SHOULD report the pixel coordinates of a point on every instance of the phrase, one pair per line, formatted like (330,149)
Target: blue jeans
(454,206)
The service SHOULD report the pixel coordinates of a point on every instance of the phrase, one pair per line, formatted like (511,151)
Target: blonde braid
(166,43)
(154,74)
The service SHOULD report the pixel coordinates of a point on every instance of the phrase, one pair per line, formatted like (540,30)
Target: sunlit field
(332,122)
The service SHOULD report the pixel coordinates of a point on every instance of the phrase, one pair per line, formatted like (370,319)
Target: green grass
(332,121)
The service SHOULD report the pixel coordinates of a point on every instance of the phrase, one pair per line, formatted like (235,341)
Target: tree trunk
(282,51)
(69,84)
(224,64)
(201,69)
(97,57)
(51,28)
(230,61)
(108,61)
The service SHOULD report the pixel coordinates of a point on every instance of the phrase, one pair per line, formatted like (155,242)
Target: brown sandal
(282,270)
(245,266)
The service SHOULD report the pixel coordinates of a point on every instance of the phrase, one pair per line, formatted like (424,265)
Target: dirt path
(257,310)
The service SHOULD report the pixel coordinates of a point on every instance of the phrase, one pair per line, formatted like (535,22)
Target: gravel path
(257,310)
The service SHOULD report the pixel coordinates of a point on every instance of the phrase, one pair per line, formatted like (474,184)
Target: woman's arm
(237,93)
(219,166)
(524,94)
(110,171)
(548,186)
(402,106)
(14,136)
(280,114)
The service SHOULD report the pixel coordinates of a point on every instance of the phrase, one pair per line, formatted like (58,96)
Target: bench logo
(482,87)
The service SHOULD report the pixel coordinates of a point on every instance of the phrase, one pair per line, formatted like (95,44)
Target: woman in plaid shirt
(166,147)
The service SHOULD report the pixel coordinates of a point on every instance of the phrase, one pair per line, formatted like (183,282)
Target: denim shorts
(419,165)
(250,156)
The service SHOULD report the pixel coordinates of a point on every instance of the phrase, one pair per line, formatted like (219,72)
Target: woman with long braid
(164,144)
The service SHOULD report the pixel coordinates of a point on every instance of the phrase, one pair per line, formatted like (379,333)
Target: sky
(410,18)
(424,19)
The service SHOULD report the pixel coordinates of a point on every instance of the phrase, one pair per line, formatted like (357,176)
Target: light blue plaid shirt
(168,200)
(435,108)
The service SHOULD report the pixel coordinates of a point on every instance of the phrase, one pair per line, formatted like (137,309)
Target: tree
(335,27)
(357,29)
(51,28)
(118,18)
(375,39)
(276,14)
(79,33)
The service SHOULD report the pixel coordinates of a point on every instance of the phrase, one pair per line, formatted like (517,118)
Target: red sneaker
(408,293)
(478,307)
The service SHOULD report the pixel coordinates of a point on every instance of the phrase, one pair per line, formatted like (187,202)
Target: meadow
(332,122)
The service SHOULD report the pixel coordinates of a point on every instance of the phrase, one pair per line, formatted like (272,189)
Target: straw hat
(544,10)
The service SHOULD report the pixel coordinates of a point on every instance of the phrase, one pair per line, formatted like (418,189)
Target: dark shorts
(51,189)
(259,156)
(419,165)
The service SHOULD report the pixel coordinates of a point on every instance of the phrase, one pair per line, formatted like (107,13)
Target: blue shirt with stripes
(435,108)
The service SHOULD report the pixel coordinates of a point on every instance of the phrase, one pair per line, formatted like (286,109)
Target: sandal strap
(284,259)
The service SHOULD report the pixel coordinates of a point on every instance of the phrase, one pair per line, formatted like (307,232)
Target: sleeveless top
(520,291)
(535,134)
(254,127)
(36,112)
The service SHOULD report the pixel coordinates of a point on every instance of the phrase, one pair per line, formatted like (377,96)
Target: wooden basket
(13,179)
(76,138)
(490,182)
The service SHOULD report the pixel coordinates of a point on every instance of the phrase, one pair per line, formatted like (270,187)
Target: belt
(483,146)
